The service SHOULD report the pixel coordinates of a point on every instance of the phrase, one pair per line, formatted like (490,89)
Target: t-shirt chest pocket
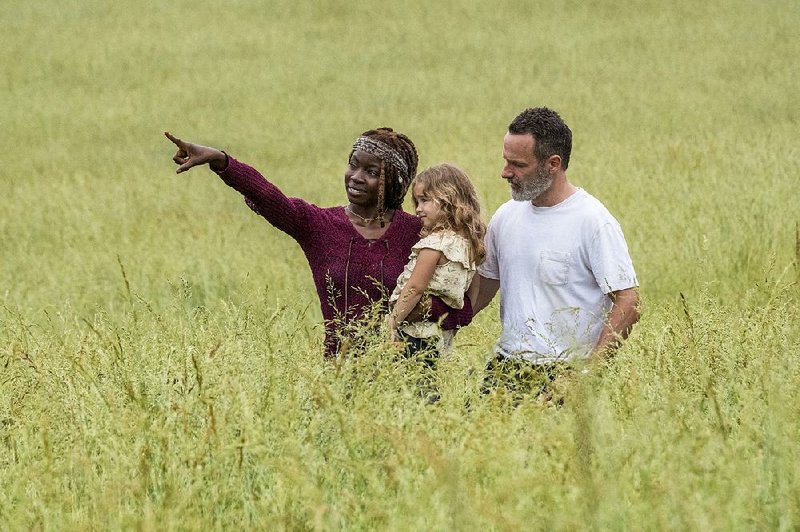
(554,266)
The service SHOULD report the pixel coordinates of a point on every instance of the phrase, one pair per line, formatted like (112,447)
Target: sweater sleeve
(290,215)
(454,318)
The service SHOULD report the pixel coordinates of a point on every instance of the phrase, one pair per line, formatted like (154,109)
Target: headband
(384,152)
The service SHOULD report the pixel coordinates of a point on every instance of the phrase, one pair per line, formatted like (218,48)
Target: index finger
(178,142)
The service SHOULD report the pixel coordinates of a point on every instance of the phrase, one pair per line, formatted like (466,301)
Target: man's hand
(487,289)
(190,155)
(623,315)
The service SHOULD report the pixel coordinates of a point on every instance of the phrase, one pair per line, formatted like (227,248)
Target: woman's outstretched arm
(287,214)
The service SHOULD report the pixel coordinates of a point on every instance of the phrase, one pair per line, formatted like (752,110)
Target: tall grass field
(161,346)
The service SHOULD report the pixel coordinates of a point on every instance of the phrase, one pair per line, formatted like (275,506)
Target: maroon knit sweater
(350,272)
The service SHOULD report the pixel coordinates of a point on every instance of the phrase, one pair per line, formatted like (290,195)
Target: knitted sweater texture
(349,271)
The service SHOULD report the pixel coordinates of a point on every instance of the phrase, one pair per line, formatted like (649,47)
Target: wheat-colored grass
(160,347)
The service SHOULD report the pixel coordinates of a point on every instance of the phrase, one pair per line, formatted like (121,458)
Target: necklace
(366,221)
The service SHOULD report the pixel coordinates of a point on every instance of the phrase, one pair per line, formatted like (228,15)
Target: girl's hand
(190,155)
(390,326)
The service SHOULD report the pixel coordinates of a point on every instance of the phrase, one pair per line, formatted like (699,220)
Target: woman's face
(362,179)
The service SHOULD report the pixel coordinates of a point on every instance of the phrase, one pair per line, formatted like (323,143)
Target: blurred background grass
(684,119)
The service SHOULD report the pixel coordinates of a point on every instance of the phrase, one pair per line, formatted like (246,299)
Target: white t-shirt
(556,266)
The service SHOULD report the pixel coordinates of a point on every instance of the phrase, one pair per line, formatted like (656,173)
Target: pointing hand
(190,155)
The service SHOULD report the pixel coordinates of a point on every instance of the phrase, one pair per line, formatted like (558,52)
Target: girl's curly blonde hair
(451,188)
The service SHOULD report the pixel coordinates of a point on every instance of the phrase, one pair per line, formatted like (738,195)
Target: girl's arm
(450,319)
(427,260)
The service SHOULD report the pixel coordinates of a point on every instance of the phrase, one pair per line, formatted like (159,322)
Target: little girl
(443,262)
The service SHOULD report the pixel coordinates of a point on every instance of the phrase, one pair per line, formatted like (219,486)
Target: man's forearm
(623,315)
(486,291)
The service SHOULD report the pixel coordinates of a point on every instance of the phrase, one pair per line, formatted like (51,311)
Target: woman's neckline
(389,225)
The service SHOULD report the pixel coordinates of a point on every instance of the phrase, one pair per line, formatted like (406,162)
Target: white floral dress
(449,282)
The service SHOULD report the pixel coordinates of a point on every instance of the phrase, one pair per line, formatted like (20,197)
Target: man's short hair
(551,135)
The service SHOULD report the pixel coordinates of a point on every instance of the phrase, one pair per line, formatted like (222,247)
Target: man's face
(527,177)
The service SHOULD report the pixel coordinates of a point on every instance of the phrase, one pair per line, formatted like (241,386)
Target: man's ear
(553,163)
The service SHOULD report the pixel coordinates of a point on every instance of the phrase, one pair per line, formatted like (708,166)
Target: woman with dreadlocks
(356,252)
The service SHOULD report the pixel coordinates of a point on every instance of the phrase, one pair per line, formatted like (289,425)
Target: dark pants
(521,378)
(424,352)
(422,349)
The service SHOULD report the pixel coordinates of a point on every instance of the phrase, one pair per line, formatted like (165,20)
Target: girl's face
(428,210)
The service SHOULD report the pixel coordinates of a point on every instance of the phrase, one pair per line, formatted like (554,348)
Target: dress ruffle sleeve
(455,247)
(449,282)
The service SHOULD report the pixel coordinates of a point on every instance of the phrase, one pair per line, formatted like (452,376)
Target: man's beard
(530,190)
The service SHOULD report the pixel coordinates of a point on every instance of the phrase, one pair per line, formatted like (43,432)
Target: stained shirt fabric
(350,272)
(449,282)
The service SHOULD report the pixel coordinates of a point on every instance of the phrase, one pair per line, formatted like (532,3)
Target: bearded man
(567,285)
